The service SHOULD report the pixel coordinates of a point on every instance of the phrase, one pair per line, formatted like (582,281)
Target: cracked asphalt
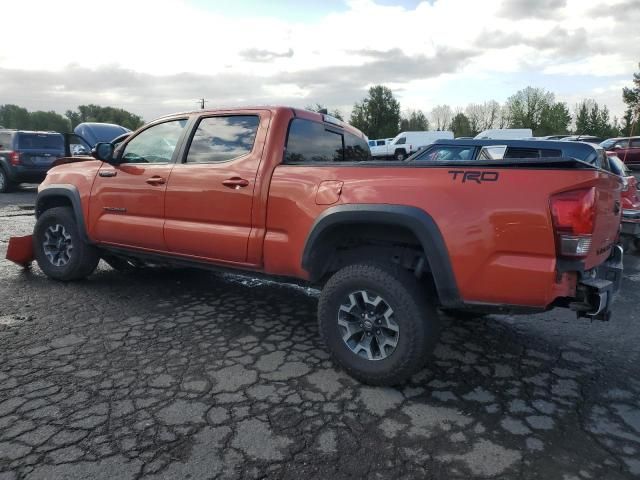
(189,374)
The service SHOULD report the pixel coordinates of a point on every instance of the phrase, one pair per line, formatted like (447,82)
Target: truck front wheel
(59,249)
(376,323)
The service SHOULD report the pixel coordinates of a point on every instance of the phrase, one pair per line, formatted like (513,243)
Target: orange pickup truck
(293,194)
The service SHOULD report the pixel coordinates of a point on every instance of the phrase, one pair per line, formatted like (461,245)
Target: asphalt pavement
(189,374)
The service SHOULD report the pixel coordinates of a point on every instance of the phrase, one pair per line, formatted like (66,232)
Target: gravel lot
(187,374)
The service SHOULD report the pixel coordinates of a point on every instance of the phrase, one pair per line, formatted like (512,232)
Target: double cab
(293,194)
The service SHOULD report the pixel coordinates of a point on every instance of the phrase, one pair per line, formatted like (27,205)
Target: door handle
(235,182)
(107,173)
(156,180)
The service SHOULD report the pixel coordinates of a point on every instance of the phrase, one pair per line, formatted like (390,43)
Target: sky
(158,57)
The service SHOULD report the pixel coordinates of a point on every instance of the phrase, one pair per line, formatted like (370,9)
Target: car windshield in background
(48,141)
(446,154)
(608,143)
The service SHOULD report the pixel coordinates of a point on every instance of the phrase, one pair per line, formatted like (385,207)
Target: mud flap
(20,250)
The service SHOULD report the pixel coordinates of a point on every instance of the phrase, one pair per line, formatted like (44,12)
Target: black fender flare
(415,219)
(69,192)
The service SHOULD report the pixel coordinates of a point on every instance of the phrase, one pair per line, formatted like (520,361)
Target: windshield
(50,141)
(608,143)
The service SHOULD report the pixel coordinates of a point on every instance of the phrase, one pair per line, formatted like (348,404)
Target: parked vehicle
(505,134)
(626,148)
(94,132)
(283,192)
(552,137)
(406,143)
(25,156)
(379,147)
(583,138)
(630,227)
(492,150)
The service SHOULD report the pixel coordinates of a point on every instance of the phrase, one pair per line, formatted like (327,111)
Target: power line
(202,101)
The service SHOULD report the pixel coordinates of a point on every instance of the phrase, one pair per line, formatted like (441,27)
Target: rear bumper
(597,288)
(21,173)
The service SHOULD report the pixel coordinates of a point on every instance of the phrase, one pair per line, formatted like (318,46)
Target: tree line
(13,116)
(379,115)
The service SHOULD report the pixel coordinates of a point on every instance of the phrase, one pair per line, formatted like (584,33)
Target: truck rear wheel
(376,323)
(400,155)
(59,249)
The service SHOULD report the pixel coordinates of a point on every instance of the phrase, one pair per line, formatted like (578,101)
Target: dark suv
(26,156)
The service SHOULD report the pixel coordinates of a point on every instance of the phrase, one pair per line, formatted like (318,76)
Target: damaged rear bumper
(597,288)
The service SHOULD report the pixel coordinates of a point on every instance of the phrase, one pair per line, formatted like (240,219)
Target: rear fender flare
(415,219)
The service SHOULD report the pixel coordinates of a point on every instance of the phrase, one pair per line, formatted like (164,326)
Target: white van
(407,143)
(505,134)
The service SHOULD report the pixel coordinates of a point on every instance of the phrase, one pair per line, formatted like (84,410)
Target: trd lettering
(474,176)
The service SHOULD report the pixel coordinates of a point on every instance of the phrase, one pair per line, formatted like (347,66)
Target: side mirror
(103,151)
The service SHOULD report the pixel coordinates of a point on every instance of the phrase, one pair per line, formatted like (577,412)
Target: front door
(127,198)
(210,191)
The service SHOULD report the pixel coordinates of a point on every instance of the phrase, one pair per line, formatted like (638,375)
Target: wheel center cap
(368,325)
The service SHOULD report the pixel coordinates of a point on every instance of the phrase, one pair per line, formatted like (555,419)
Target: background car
(583,138)
(25,156)
(94,132)
(626,148)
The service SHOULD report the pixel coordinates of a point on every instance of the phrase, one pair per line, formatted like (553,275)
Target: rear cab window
(40,141)
(314,142)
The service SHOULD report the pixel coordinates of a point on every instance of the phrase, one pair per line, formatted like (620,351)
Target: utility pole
(202,101)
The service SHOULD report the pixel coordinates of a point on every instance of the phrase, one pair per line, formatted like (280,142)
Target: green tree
(527,107)
(582,118)
(377,115)
(555,118)
(48,121)
(318,106)
(592,119)
(414,121)
(97,113)
(460,126)
(631,97)
(13,116)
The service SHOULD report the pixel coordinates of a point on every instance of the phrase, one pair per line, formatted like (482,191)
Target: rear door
(127,199)
(210,191)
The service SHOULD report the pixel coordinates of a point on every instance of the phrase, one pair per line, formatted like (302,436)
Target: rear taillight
(14,158)
(573,215)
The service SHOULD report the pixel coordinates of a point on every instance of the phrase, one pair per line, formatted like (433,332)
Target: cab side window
(156,144)
(219,139)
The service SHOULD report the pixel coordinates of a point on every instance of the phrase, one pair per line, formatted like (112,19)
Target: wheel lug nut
(369,333)
(361,325)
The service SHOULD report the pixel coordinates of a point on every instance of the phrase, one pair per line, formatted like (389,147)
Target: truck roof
(297,112)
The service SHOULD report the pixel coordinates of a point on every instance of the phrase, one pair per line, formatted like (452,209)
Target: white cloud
(150,56)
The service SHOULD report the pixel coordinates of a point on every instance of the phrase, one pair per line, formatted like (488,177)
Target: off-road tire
(83,258)
(414,313)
